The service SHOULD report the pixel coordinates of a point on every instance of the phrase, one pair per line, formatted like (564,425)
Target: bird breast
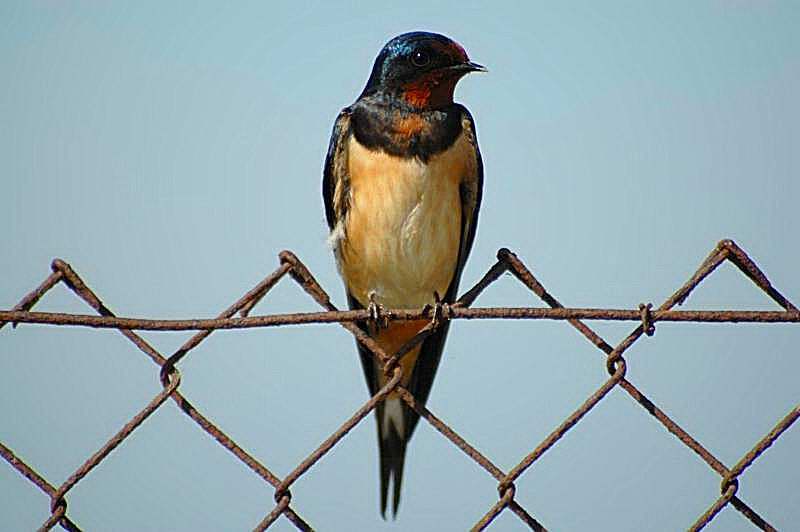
(402,231)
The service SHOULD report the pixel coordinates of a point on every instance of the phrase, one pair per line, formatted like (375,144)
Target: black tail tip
(395,498)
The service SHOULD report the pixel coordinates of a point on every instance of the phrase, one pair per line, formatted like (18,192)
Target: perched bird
(402,187)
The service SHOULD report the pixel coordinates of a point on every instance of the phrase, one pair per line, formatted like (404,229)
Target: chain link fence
(237,317)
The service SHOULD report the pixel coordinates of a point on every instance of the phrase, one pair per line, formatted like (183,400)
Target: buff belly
(402,229)
(402,233)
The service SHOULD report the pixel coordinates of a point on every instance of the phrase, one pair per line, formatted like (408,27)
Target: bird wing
(335,179)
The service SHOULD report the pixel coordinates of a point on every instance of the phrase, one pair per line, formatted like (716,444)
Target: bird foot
(439,310)
(377,314)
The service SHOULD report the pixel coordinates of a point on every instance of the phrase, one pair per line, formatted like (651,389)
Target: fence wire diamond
(237,317)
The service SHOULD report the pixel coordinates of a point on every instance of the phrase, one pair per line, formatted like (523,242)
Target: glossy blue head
(421,67)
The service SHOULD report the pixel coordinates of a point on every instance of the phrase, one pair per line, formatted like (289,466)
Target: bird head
(421,69)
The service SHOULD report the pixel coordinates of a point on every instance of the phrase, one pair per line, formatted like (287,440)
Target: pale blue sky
(169,151)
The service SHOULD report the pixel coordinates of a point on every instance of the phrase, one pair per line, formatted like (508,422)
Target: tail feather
(392,442)
(397,421)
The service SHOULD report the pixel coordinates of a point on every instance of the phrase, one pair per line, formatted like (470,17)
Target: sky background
(169,151)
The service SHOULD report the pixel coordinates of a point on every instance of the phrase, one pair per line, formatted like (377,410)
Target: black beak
(469,66)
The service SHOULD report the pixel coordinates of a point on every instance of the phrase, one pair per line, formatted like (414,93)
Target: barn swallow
(402,186)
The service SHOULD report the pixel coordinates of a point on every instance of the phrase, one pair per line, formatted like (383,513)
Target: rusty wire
(645,316)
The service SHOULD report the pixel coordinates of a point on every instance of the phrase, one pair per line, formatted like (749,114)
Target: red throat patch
(432,90)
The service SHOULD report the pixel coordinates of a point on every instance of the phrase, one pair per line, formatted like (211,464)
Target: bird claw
(377,316)
(439,309)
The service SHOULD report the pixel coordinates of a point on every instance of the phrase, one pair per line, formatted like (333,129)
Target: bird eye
(420,58)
